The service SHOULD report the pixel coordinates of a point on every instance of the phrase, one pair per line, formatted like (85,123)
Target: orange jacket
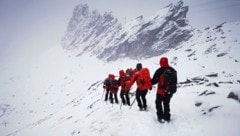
(123,81)
(142,84)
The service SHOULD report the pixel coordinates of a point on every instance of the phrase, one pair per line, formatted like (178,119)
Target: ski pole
(103,93)
(132,103)
(120,105)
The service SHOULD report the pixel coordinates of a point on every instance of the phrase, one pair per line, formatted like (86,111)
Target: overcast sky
(29,25)
(202,13)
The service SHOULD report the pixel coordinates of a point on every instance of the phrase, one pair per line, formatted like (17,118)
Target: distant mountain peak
(106,38)
(82,9)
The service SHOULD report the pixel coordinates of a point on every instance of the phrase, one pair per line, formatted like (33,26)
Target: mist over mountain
(62,95)
(105,37)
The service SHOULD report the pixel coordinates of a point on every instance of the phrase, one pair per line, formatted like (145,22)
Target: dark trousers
(141,98)
(115,97)
(106,95)
(163,107)
(125,97)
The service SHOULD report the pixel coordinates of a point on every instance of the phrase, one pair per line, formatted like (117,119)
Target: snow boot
(161,120)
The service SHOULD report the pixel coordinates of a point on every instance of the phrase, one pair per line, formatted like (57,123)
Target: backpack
(114,86)
(168,80)
(107,83)
(123,83)
(114,83)
(129,72)
(144,79)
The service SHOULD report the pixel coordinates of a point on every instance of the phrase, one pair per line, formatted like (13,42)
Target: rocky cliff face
(103,36)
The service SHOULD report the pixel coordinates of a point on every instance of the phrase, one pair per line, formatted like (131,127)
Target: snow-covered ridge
(68,102)
(61,95)
(86,29)
(103,36)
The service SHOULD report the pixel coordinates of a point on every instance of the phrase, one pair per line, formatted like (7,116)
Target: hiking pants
(123,95)
(141,98)
(106,95)
(115,97)
(163,106)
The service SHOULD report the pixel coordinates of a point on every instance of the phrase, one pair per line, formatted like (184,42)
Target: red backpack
(123,82)
(144,79)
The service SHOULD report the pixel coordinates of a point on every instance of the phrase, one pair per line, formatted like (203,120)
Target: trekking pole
(120,105)
(132,103)
(103,93)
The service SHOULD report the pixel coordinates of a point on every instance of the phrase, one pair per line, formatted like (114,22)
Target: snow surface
(61,95)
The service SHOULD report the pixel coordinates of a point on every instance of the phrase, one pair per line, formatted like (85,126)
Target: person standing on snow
(143,80)
(124,94)
(107,85)
(166,77)
(113,88)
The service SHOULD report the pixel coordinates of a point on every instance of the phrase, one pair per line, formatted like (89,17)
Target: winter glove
(169,94)
(150,88)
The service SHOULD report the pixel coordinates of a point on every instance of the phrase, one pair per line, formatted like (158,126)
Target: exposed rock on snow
(234,96)
(197,104)
(207,92)
(103,36)
(212,75)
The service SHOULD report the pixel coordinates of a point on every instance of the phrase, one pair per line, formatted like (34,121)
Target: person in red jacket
(165,90)
(143,80)
(111,85)
(124,94)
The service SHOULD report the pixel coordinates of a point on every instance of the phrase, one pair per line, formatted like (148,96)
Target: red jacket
(124,81)
(141,85)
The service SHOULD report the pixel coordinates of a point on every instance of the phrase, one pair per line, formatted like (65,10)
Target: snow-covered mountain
(61,95)
(104,37)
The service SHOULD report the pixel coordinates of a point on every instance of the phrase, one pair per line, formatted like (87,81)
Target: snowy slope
(62,95)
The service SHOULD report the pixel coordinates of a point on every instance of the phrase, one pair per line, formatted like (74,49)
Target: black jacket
(158,73)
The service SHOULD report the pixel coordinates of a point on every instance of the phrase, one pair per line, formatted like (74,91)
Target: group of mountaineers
(165,77)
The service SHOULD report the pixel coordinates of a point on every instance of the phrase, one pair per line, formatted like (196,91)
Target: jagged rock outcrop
(104,36)
(87,29)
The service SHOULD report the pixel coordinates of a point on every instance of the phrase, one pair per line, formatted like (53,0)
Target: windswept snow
(62,95)
(58,94)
